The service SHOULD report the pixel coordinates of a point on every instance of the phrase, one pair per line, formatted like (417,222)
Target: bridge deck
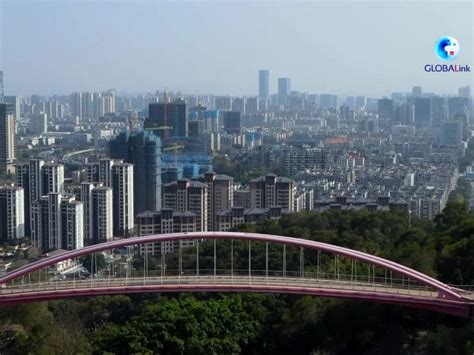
(218,280)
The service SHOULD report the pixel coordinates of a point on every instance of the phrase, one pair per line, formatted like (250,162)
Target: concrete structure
(123,202)
(165,221)
(7,139)
(12,215)
(272,191)
(176,119)
(220,196)
(51,178)
(185,195)
(72,223)
(102,214)
(263,83)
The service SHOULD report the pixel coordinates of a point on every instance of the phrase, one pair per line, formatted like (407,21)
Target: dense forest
(266,323)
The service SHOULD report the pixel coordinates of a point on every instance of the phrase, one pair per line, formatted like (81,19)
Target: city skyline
(206,56)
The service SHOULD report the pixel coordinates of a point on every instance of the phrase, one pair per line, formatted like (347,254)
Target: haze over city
(216,47)
(236,177)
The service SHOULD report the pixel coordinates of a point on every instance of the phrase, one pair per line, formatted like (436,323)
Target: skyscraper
(439,111)
(386,109)
(102,214)
(7,138)
(123,206)
(144,151)
(284,87)
(22,172)
(57,222)
(422,112)
(12,222)
(76,104)
(15,102)
(220,196)
(35,179)
(87,107)
(52,178)
(39,123)
(264,83)
(1,86)
(232,122)
(451,133)
(176,119)
(72,223)
(458,107)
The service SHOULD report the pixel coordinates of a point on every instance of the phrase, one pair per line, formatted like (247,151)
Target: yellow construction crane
(175,147)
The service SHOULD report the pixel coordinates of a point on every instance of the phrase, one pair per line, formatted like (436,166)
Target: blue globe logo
(447,48)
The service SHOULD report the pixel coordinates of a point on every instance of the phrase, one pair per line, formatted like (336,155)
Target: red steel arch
(444,291)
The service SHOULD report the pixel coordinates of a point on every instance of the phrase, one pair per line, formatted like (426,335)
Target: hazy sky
(343,47)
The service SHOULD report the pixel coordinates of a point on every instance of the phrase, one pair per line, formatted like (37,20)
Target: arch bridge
(229,262)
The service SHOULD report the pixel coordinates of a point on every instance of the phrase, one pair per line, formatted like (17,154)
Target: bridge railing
(223,276)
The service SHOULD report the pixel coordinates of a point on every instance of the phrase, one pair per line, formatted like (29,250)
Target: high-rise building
(12,221)
(232,122)
(458,107)
(15,102)
(422,112)
(165,221)
(98,216)
(264,83)
(175,115)
(35,179)
(7,139)
(272,191)
(223,103)
(143,150)
(252,106)
(439,111)
(87,107)
(185,195)
(386,109)
(284,88)
(102,214)
(39,123)
(220,196)
(57,222)
(86,198)
(451,133)
(52,178)
(239,104)
(76,104)
(1,86)
(22,172)
(105,171)
(123,203)
(92,172)
(72,224)
(329,101)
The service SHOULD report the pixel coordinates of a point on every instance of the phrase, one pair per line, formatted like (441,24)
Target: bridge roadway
(419,296)
(223,280)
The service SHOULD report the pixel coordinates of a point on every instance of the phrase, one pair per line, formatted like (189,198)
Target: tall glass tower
(144,151)
(263,83)
(1,86)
